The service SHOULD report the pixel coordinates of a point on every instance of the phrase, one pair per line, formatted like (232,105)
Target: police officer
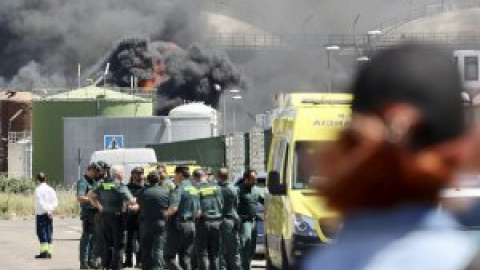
(131,220)
(109,198)
(164,178)
(210,176)
(231,224)
(153,201)
(208,224)
(87,248)
(99,245)
(184,208)
(248,195)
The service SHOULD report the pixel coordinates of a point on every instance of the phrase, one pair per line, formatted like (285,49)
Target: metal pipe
(235,119)
(224,116)
(168,126)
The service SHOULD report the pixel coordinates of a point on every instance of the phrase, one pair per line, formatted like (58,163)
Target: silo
(193,121)
(49,111)
(15,120)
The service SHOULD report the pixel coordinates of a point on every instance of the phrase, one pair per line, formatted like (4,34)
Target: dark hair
(222,173)
(153,178)
(183,171)
(423,76)
(198,173)
(247,173)
(365,171)
(94,167)
(41,177)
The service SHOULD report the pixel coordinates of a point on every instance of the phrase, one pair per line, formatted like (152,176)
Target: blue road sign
(112,141)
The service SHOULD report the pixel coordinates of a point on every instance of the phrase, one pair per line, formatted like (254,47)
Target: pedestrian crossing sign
(112,142)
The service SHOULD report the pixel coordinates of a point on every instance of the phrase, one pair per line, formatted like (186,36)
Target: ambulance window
(306,167)
(471,68)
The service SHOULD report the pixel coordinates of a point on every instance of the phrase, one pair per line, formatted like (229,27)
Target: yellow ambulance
(296,218)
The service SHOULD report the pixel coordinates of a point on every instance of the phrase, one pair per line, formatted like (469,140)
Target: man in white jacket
(45,203)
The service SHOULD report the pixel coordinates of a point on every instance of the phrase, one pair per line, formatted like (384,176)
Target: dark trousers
(113,240)
(87,249)
(133,236)
(208,244)
(180,240)
(44,226)
(230,246)
(248,242)
(152,244)
(99,245)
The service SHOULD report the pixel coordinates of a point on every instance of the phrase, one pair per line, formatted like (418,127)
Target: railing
(14,137)
(422,12)
(121,93)
(265,41)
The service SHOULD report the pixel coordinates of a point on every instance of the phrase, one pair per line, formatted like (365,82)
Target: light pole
(330,49)
(236,97)
(354,28)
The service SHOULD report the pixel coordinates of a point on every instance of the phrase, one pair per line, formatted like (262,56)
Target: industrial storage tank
(15,120)
(193,121)
(50,109)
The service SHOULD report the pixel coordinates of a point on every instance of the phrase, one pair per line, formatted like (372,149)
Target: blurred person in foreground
(406,141)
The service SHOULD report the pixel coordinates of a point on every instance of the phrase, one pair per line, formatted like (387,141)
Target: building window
(471,68)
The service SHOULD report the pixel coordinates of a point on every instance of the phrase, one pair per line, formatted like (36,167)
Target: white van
(128,157)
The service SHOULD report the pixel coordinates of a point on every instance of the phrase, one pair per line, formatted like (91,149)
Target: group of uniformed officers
(203,221)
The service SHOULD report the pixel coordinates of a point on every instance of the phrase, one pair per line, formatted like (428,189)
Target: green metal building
(47,121)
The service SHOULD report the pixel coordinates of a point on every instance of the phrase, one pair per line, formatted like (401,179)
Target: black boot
(128,261)
(138,262)
(43,255)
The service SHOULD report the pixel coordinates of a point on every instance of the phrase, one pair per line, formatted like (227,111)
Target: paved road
(18,246)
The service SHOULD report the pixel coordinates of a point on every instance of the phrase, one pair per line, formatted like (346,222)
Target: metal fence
(422,12)
(14,137)
(316,41)
(129,93)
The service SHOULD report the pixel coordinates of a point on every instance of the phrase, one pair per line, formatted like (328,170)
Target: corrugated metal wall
(83,136)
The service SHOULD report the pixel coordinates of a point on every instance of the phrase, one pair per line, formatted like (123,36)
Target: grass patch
(22,205)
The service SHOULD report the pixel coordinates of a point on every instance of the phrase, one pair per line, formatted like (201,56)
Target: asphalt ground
(19,245)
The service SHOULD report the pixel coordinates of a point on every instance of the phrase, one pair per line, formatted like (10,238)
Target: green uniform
(99,245)
(153,201)
(229,229)
(208,226)
(181,227)
(87,249)
(132,228)
(248,197)
(112,195)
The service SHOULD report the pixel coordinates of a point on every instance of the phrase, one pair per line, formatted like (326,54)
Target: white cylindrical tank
(20,159)
(193,121)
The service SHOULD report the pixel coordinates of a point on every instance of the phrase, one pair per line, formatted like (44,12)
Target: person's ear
(400,119)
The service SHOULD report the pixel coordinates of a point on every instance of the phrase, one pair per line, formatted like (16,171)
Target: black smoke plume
(192,74)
